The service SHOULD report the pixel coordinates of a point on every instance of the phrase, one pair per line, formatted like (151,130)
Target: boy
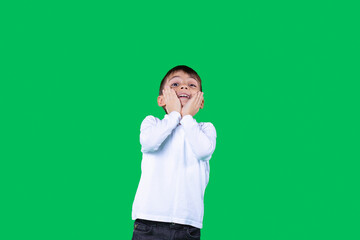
(175,166)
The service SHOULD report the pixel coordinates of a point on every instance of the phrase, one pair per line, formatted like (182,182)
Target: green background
(280,82)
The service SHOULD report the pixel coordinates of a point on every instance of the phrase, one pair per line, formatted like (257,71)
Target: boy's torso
(172,183)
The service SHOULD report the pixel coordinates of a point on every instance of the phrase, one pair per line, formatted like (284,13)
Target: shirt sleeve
(202,138)
(154,131)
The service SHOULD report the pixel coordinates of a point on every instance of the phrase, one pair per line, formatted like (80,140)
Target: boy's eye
(174,85)
(193,85)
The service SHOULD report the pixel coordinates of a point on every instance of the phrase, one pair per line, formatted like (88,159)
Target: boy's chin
(183,101)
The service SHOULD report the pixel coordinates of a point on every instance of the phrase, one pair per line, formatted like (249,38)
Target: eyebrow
(180,77)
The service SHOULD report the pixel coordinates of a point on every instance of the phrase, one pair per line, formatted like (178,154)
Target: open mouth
(184,96)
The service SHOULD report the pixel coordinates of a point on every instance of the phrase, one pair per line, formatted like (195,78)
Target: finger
(199,99)
(166,95)
(168,92)
(173,93)
(195,99)
(175,96)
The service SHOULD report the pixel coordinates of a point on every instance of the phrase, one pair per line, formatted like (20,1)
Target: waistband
(164,224)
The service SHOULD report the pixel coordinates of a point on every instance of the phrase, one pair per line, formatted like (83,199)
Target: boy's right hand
(172,102)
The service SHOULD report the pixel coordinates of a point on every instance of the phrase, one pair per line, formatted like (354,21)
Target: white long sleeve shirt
(174,169)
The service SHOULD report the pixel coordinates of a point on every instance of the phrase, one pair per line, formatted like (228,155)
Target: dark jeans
(152,230)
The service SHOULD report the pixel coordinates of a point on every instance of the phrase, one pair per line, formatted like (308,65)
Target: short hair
(192,73)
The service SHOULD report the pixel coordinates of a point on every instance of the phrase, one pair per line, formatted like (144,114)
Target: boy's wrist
(187,116)
(174,111)
(185,113)
(187,119)
(175,114)
(169,110)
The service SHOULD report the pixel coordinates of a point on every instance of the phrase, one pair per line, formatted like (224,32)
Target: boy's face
(184,86)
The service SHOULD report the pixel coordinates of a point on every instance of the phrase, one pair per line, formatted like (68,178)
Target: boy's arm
(153,131)
(202,139)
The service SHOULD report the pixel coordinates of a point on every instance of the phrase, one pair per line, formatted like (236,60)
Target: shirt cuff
(187,120)
(175,115)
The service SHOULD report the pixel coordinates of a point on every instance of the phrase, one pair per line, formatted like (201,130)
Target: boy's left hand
(193,105)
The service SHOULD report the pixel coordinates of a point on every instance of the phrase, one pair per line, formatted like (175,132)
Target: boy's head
(184,80)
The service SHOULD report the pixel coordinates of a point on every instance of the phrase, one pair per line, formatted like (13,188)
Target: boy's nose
(184,87)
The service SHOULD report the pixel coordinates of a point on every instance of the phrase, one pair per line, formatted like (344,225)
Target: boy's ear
(161,101)
(202,104)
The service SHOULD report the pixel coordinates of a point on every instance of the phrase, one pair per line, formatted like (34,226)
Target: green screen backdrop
(280,82)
